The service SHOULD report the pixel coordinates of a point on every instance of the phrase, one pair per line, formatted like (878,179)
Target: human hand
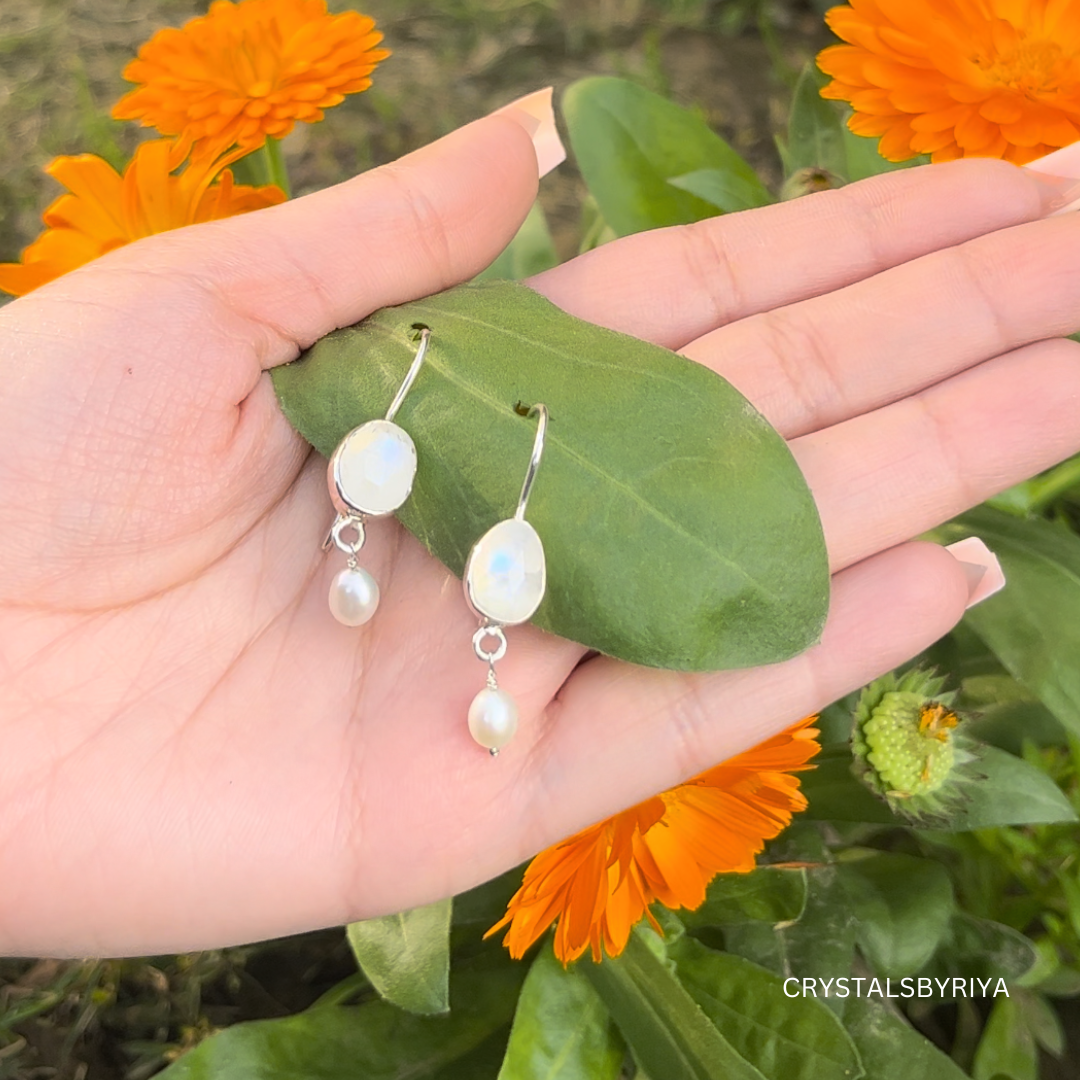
(196,753)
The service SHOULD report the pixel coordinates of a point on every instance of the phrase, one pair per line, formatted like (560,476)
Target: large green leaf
(1032,623)
(890,1048)
(784,1035)
(407,956)
(1012,792)
(815,130)
(820,945)
(530,252)
(376,1041)
(561,1029)
(629,143)
(670,1035)
(727,191)
(766,894)
(904,905)
(678,529)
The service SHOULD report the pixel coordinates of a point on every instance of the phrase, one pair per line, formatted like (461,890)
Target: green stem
(275,165)
(344,991)
(1054,484)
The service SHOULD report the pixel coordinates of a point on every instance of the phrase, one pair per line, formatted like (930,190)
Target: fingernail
(534,112)
(1060,193)
(981,567)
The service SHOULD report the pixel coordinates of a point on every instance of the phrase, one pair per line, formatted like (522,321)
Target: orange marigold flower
(599,883)
(248,70)
(959,78)
(105,210)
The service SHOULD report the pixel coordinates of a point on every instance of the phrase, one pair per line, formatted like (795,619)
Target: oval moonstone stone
(506,575)
(372,469)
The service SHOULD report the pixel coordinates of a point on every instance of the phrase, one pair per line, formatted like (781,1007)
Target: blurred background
(453,60)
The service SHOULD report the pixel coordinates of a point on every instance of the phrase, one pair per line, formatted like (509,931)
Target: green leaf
(1012,793)
(890,1048)
(376,1041)
(1007,1047)
(976,948)
(786,1038)
(670,1036)
(1008,726)
(904,905)
(485,905)
(407,956)
(629,143)
(815,129)
(766,894)
(678,529)
(729,192)
(1043,1022)
(865,161)
(1031,624)
(530,252)
(820,945)
(561,1029)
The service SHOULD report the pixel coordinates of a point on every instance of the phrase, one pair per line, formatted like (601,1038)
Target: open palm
(196,753)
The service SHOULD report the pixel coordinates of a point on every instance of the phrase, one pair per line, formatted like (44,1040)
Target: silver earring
(504,581)
(370,475)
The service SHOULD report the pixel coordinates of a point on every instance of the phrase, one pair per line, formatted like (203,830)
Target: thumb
(400,232)
(302,269)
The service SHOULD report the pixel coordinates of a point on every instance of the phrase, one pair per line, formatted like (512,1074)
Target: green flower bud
(808,181)
(908,748)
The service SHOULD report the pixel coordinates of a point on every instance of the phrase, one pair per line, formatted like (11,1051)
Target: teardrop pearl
(493,718)
(354,596)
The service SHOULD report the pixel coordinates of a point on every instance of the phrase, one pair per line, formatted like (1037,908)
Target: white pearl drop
(493,718)
(354,596)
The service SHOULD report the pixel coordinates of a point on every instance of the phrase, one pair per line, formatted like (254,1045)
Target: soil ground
(454,60)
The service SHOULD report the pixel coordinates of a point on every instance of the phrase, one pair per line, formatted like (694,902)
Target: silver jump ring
(495,654)
(345,521)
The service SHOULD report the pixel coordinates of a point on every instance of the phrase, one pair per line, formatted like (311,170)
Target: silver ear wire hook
(410,375)
(534,461)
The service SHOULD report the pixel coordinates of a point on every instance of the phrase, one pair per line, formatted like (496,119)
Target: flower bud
(808,181)
(908,748)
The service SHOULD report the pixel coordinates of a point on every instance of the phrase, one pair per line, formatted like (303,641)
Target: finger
(654,729)
(885,476)
(821,361)
(404,230)
(165,435)
(671,286)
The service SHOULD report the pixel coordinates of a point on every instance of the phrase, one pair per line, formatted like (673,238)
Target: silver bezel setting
(333,472)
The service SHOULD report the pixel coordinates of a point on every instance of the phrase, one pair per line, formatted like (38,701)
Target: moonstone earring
(370,475)
(504,583)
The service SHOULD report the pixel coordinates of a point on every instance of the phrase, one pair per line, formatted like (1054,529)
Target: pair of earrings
(370,475)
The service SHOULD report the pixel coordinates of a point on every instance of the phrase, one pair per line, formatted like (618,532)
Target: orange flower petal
(227,74)
(963,77)
(105,211)
(596,885)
